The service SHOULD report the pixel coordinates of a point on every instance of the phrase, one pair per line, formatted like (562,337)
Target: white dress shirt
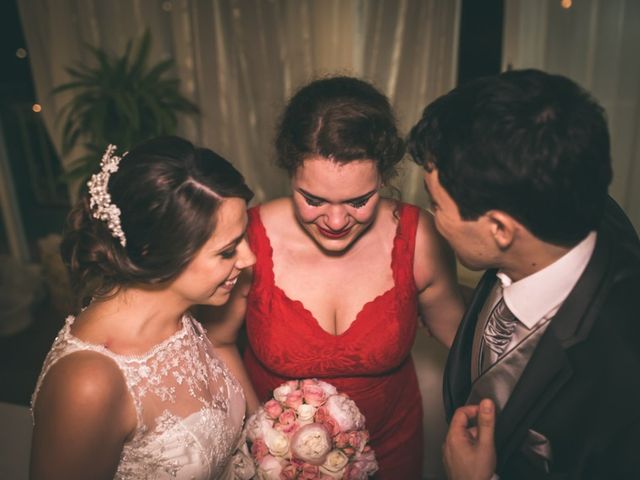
(540,295)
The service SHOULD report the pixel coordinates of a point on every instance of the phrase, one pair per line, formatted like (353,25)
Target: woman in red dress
(342,274)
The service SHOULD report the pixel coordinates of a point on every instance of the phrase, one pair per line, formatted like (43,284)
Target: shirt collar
(540,294)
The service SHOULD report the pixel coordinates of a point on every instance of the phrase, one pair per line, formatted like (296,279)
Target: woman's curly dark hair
(342,118)
(168,192)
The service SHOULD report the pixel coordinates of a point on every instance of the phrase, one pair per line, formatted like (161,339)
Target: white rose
(277,442)
(311,443)
(327,388)
(269,468)
(305,413)
(280,393)
(334,464)
(345,412)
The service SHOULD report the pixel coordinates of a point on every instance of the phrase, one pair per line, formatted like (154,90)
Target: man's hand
(468,451)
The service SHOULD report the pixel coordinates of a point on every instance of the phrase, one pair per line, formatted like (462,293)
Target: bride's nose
(336,217)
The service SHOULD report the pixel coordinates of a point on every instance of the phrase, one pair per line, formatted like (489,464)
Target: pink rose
(358,439)
(324,417)
(294,399)
(341,440)
(289,472)
(287,417)
(292,384)
(313,395)
(280,393)
(259,449)
(310,472)
(273,409)
(288,429)
(311,444)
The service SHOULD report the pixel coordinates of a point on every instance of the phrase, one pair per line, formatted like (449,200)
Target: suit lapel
(457,375)
(549,367)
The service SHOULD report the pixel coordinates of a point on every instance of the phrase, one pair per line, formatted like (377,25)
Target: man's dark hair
(531,144)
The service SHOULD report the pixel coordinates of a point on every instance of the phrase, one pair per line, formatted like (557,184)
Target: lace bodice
(190,409)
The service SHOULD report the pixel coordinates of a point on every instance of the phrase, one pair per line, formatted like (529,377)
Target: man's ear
(504,228)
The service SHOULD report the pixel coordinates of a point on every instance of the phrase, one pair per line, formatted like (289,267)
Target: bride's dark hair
(168,192)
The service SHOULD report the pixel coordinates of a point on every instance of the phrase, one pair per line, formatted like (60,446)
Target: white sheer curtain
(595,43)
(239,60)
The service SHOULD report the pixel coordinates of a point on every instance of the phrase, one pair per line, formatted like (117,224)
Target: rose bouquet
(310,431)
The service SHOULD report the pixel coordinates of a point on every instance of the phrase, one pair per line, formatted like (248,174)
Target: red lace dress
(370,361)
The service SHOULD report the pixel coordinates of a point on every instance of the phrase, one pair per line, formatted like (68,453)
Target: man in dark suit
(517,167)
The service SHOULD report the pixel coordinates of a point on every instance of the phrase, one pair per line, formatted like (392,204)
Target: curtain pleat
(240,60)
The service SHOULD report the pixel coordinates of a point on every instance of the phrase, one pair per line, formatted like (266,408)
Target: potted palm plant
(120,100)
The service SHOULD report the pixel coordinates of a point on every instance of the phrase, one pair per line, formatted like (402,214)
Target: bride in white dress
(132,388)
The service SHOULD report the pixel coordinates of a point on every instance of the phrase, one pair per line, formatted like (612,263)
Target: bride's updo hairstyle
(341,118)
(168,192)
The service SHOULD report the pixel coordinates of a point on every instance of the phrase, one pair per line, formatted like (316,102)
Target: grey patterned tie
(499,328)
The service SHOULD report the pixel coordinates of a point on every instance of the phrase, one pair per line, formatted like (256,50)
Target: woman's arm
(223,324)
(83,415)
(439,297)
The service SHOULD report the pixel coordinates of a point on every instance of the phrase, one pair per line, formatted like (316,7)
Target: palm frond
(119,100)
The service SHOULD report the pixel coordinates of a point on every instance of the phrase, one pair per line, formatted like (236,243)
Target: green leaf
(120,100)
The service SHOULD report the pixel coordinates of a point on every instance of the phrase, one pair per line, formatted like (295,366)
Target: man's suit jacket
(581,387)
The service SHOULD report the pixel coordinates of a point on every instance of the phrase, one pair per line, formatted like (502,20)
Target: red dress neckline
(298,305)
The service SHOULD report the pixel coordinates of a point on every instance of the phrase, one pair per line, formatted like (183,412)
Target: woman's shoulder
(277,216)
(274,208)
(84,379)
(85,393)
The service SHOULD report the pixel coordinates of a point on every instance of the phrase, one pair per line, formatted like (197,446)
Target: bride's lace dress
(189,407)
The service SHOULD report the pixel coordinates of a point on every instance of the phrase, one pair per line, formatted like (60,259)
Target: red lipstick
(334,235)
